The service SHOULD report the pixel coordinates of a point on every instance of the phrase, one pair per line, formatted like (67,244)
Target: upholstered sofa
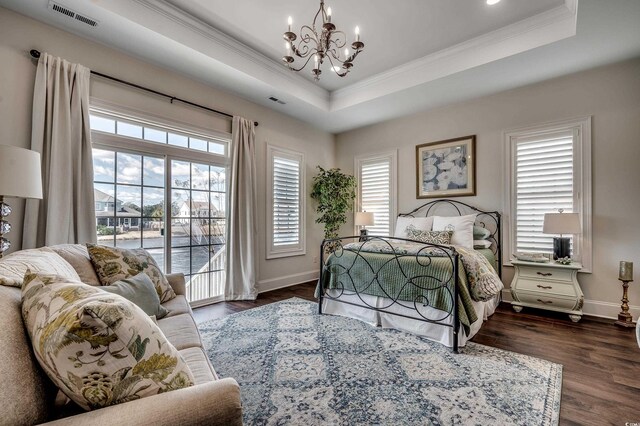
(27,396)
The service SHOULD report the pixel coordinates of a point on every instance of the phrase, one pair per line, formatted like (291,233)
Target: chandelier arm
(333,69)
(338,41)
(302,67)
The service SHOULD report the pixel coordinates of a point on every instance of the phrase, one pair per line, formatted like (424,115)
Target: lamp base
(363,235)
(561,247)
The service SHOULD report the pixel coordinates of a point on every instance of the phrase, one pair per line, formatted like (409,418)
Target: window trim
(392,156)
(581,128)
(299,249)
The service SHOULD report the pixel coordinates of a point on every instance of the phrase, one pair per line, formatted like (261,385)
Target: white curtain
(241,256)
(61,134)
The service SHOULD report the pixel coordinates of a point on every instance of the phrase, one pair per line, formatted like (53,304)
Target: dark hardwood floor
(601,373)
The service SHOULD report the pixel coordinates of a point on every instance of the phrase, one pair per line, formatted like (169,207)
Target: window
(550,169)
(163,188)
(285,203)
(376,176)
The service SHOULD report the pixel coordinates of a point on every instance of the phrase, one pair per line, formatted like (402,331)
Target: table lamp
(20,177)
(561,223)
(363,219)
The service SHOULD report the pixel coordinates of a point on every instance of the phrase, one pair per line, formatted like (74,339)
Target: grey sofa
(28,397)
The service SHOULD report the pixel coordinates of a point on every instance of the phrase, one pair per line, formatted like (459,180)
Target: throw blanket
(413,272)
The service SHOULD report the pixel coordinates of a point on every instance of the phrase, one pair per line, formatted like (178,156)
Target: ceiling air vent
(56,7)
(274,99)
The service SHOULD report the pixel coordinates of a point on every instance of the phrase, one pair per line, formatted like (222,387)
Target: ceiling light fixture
(492,2)
(321,43)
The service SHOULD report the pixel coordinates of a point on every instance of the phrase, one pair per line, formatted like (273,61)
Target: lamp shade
(20,173)
(364,219)
(561,223)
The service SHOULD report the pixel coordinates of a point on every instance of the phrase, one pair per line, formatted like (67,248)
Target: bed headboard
(486,219)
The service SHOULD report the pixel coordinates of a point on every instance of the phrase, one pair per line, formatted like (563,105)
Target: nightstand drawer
(551,274)
(546,287)
(549,301)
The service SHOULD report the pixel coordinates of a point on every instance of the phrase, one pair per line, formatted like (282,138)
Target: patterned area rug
(297,367)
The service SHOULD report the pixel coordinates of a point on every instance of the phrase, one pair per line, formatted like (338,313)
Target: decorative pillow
(140,290)
(429,237)
(462,227)
(480,233)
(481,244)
(420,223)
(98,348)
(78,257)
(115,264)
(15,265)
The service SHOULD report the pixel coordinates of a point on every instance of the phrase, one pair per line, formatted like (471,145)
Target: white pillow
(14,266)
(420,223)
(481,244)
(462,227)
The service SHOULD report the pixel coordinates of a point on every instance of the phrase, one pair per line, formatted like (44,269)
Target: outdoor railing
(205,285)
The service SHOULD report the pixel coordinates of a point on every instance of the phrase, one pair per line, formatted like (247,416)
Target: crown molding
(545,28)
(169,21)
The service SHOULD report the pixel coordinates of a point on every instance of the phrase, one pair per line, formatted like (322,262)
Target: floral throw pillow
(98,348)
(429,237)
(116,264)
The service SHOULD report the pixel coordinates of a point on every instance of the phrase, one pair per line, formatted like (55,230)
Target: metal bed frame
(490,220)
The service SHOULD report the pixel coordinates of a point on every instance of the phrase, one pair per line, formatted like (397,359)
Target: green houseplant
(334,192)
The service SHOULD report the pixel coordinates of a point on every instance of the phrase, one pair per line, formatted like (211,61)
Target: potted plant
(334,192)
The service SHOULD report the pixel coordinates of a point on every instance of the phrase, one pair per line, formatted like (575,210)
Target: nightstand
(548,286)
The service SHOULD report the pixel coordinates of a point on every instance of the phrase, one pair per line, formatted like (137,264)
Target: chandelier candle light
(321,41)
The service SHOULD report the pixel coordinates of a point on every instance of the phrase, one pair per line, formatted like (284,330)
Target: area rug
(300,368)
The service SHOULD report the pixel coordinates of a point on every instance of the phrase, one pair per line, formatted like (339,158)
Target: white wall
(610,94)
(19,34)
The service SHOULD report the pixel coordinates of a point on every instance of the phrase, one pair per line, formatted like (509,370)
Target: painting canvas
(446,168)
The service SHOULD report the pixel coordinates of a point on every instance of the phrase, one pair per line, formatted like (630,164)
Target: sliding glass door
(198,227)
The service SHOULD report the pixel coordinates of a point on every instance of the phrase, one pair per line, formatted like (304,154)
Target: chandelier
(321,43)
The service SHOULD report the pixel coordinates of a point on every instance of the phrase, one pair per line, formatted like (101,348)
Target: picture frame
(446,168)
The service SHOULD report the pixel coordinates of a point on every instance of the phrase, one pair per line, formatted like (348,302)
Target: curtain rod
(36,54)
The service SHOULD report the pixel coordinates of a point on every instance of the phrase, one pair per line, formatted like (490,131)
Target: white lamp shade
(561,223)
(364,219)
(20,173)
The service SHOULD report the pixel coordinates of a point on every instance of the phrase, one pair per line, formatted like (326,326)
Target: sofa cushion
(98,348)
(78,256)
(14,266)
(140,290)
(115,264)
(178,305)
(26,393)
(181,331)
(199,365)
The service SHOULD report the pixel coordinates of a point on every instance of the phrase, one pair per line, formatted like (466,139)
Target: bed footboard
(421,278)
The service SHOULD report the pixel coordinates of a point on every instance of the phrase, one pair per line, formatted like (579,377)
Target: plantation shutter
(544,183)
(286,201)
(375,193)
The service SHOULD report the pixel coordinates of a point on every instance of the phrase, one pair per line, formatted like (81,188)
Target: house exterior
(112,212)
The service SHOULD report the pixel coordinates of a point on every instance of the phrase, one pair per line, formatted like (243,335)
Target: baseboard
(286,281)
(594,308)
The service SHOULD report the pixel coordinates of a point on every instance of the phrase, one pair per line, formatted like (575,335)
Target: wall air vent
(58,8)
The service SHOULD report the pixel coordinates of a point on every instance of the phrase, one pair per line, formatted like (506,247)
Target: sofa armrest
(211,403)
(177,283)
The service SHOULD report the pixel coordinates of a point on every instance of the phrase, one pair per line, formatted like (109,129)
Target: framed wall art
(446,168)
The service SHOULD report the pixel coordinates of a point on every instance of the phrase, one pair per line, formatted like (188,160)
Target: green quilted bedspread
(404,278)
